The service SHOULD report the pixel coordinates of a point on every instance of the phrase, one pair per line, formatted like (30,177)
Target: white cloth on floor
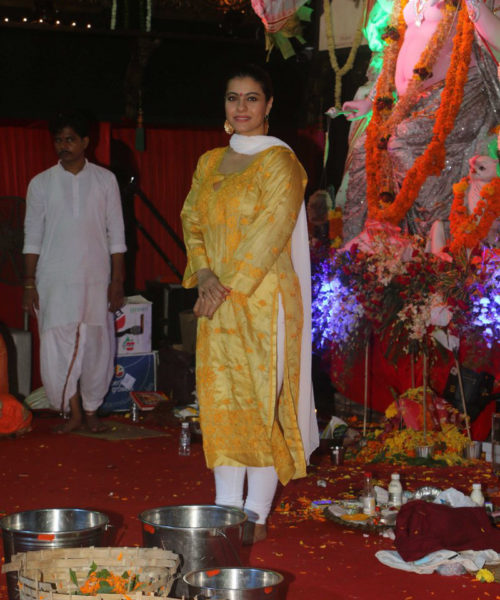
(471,560)
(454,498)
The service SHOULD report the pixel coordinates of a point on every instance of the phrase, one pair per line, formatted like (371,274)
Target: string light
(43,21)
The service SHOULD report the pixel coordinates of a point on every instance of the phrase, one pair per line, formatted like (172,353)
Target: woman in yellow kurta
(252,361)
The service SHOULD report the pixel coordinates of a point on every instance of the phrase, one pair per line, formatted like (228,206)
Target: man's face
(70,147)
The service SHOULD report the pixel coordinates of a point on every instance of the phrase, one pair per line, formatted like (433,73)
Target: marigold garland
(467,230)
(383,204)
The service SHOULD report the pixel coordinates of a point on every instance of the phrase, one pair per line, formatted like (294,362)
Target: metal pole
(424,400)
(365,404)
(462,397)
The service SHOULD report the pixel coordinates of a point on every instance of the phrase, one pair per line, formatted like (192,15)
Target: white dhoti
(77,353)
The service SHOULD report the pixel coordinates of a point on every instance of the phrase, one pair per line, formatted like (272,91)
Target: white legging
(261,481)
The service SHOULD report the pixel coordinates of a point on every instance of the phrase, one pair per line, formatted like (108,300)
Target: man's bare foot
(94,425)
(72,424)
(75,419)
(253,533)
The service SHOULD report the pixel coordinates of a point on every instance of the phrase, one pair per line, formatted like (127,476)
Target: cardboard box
(133,327)
(132,373)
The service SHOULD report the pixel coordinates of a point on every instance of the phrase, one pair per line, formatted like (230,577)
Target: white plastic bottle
(369,498)
(185,440)
(395,491)
(477,495)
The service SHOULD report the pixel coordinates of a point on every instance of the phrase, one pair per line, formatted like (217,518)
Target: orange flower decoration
(384,122)
(467,230)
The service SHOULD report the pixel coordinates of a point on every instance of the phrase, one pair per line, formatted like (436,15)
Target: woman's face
(246,106)
(482,168)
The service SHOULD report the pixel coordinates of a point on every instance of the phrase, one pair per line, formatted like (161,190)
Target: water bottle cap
(476,486)
(368,474)
(185,425)
(395,476)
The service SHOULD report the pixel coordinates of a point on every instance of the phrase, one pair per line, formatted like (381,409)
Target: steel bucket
(235,584)
(49,528)
(204,536)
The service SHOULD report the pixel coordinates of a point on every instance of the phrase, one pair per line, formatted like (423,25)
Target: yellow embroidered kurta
(240,226)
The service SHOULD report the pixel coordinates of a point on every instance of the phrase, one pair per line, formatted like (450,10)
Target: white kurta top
(74,223)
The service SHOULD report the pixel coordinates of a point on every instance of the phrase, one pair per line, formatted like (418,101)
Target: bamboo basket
(45,574)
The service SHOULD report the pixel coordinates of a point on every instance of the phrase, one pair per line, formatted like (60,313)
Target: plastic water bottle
(477,495)
(369,498)
(395,491)
(134,412)
(185,440)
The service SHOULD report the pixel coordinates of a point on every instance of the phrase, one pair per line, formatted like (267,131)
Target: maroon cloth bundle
(424,527)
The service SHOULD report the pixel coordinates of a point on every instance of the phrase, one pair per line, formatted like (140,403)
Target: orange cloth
(14,417)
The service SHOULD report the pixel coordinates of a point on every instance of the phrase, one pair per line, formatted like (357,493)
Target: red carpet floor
(320,559)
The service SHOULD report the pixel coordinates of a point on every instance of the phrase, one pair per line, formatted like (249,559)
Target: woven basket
(45,574)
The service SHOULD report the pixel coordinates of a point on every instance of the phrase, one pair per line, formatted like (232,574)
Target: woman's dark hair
(255,72)
(71,118)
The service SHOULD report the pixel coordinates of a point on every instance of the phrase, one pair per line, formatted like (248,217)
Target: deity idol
(439,64)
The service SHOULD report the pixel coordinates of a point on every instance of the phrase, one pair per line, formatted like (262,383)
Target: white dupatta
(301,261)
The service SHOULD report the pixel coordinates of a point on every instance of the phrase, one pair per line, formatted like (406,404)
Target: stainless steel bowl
(236,583)
(425,451)
(427,493)
(473,450)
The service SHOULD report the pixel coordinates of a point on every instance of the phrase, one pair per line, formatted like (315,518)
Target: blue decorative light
(336,314)
(485,303)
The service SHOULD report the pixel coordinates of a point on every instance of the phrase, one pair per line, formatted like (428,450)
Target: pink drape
(274,13)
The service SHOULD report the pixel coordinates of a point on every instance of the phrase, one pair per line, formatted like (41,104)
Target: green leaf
(283,43)
(73,577)
(93,567)
(103,574)
(131,583)
(304,13)
(125,575)
(105,588)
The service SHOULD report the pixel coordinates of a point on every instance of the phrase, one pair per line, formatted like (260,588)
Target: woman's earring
(266,124)
(228,128)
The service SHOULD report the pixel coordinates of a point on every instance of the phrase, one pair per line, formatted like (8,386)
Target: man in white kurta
(74,245)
